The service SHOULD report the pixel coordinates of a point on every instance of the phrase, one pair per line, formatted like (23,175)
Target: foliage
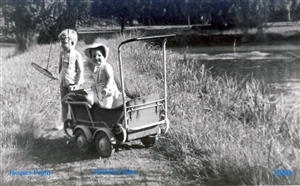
(23,19)
(221,128)
(28,103)
(124,11)
(64,14)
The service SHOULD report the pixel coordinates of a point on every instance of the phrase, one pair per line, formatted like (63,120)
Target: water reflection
(279,69)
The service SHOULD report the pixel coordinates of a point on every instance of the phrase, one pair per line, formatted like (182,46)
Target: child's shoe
(60,127)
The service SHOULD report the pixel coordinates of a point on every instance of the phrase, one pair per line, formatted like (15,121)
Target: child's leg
(108,101)
(64,91)
(90,98)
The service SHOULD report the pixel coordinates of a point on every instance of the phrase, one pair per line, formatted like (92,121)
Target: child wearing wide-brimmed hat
(104,87)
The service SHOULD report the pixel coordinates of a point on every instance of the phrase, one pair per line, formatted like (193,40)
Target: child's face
(66,43)
(97,56)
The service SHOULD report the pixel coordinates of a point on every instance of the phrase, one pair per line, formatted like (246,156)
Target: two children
(71,71)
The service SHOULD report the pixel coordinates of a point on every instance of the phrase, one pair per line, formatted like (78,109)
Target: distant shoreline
(192,35)
(5,44)
(201,35)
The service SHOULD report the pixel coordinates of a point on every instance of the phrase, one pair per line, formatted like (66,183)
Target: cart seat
(77,96)
(143,99)
(118,102)
(81,96)
(135,101)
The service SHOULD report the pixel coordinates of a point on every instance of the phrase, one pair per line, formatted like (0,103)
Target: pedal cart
(141,118)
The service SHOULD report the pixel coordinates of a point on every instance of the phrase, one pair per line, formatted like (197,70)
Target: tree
(22,19)
(261,15)
(295,10)
(253,13)
(123,10)
(63,15)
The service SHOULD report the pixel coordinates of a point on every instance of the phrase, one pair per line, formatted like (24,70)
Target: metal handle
(165,37)
(146,38)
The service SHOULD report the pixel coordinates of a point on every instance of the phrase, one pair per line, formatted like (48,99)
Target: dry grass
(226,133)
(221,132)
(28,102)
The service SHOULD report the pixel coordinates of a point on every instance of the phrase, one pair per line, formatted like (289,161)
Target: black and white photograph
(149,92)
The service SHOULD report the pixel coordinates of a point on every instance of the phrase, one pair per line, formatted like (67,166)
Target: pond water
(275,66)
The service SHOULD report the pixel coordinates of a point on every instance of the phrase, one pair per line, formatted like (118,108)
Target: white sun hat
(104,50)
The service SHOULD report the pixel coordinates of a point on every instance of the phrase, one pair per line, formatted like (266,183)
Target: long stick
(49,54)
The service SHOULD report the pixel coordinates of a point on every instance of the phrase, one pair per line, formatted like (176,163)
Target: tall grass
(29,103)
(226,133)
(222,131)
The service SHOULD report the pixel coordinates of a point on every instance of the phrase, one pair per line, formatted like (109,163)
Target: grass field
(221,132)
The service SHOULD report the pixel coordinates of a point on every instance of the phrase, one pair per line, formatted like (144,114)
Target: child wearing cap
(104,88)
(70,67)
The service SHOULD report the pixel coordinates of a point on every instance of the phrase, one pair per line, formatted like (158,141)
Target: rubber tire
(81,141)
(103,145)
(165,127)
(148,141)
(68,128)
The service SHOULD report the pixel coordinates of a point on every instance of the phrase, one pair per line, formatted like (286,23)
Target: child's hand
(73,87)
(106,92)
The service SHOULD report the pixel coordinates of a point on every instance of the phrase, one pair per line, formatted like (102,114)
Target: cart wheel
(104,146)
(81,141)
(165,127)
(121,133)
(68,128)
(148,141)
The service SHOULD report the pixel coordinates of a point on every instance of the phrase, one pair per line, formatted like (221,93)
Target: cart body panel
(143,110)
(95,116)
(151,131)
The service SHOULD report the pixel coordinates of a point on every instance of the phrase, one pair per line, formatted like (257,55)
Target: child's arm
(110,74)
(60,63)
(79,61)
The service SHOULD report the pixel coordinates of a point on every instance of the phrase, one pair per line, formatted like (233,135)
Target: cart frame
(164,100)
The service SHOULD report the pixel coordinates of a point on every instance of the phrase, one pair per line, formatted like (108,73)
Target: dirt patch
(55,160)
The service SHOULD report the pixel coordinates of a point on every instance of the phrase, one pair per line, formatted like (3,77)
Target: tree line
(22,19)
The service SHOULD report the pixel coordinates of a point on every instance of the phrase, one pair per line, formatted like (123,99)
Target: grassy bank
(221,132)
